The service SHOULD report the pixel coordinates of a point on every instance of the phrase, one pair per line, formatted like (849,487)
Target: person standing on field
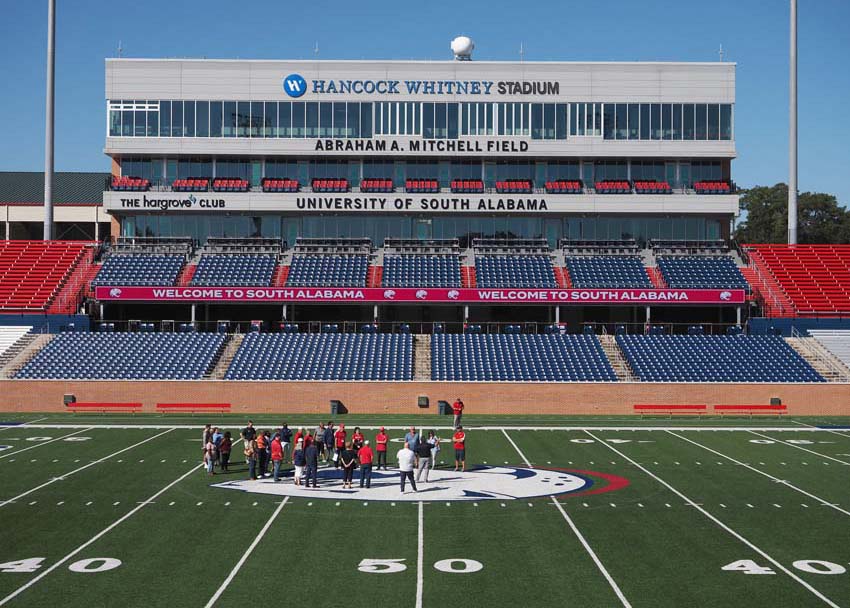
(299,460)
(348,459)
(251,459)
(405,458)
(339,443)
(365,456)
(224,451)
(423,451)
(286,441)
(328,441)
(262,454)
(459,440)
(311,458)
(457,409)
(319,438)
(434,442)
(381,441)
(277,456)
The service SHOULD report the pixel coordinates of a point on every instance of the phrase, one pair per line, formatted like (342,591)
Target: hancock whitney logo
(295,85)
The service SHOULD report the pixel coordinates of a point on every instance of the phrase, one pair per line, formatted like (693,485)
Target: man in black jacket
(311,455)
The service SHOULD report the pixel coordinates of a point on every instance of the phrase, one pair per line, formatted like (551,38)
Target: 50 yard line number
(454,565)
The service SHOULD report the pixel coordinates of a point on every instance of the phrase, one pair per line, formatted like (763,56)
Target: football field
(118,511)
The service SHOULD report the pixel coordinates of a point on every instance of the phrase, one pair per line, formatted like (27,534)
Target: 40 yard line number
(91,565)
(810,566)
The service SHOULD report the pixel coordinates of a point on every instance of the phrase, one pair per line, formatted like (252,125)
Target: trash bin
(336,406)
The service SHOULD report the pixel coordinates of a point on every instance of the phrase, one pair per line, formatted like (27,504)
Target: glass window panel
(366,119)
(325,119)
(537,121)
(622,121)
(725,121)
(230,118)
(688,121)
(464,119)
(666,121)
(243,118)
(701,111)
(270,119)
(165,118)
(428,120)
(608,120)
(473,118)
(312,121)
(353,120)
(597,119)
(548,121)
(202,119)
(391,117)
(440,120)
(410,118)
(644,121)
(299,124)
(284,119)
(114,123)
(561,121)
(655,121)
(141,120)
(634,120)
(488,111)
(188,119)
(451,120)
(153,123)
(677,121)
(713,121)
(127,123)
(581,119)
(503,110)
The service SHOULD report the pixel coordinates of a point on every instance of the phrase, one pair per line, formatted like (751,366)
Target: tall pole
(792,133)
(48,122)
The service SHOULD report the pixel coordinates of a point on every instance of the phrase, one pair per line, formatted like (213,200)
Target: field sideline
(573,511)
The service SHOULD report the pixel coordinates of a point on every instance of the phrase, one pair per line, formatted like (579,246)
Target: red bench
(192,408)
(777,410)
(94,406)
(660,408)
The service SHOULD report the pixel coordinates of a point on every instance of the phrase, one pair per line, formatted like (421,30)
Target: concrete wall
(400,397)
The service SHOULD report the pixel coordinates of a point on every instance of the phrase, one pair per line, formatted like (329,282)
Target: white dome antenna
(462,47)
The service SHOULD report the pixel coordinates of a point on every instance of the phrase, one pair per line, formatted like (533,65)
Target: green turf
(657,548)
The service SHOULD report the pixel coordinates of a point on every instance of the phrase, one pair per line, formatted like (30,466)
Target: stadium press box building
(421,149)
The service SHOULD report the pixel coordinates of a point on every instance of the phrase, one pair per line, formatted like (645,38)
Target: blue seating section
(608,271)
(124,356)
(149,270)
(325,356)
(715,359)
(421,271)
(316,270)
(234,270)
(519,271)
(701,272)
(519,358)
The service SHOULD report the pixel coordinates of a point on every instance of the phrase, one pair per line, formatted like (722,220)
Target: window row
(264,119)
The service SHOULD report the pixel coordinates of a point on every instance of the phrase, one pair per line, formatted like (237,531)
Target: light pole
(792,132)
(48,122)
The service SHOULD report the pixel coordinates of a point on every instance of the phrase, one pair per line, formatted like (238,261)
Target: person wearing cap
(459,439)
(300,461)
(365,456)
(457,410)
(381,441)
(277,456)
(405,459)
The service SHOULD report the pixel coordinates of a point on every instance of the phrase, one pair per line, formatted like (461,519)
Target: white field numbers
(91,565)
(455,565)
(810,566)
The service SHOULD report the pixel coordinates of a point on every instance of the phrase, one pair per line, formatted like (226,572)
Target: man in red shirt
(339,443)
(381,440)
(364,456)
(459,439)
(457,408)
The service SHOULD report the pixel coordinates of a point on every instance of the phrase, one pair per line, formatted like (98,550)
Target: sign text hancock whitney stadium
(436,87)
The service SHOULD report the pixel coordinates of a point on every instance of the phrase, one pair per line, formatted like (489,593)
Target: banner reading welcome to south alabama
(353,295)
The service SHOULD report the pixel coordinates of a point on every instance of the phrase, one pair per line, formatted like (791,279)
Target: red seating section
(564,186)
(816,278)
(372,184)
(227,184)
(126,183)
(33,272)
(467,185)
(706,187)
(422,185)
(275,184)
(515,186)
(330,185)
(191,184)
(652,187)
(613,187)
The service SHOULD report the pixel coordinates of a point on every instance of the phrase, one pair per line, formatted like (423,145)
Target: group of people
(304,450)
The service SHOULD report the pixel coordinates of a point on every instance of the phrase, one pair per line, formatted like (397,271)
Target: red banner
(354,295)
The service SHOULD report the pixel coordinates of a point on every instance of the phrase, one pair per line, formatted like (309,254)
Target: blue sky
(753,36)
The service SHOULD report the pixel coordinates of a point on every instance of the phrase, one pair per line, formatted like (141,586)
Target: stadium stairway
(74,287)
(27,351)
(185,276)
(562,277)
(467,276)
(231,344)
(656,278)
(422,357)
(775,302)
(13,339)
(374,274)
(617,359)
(824,362)
(280,274)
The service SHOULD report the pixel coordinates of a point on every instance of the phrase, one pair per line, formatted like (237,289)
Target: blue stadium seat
(234,270)
(323,356)
(701,272)
(124,356)
(514,271)
(149,270)
(326,270)
(608,271)
(421,271)
(678,358)
(519,358)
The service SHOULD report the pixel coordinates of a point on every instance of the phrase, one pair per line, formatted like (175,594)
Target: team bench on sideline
(192,408)
(659,408)
(103,407)
(777,410)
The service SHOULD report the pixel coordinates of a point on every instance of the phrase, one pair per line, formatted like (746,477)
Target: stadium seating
(151,270)
(519,358)
(192,184)
(519,271)
(327,270)
(323,356)
(330,185)
(815,277)
(421,271)
(701,272)
(274,184)
(515,186)
(33,272)
(679,358)
(608,271)
(234,270)
(613,187)
(376,185)
(9,334)
(132,184)
(836,341)
(467,186)
(421,185)
(226,184)
(712,187)
(564,186)
(652,187)
(124,356)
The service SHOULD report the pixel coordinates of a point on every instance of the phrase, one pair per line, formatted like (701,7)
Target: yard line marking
(817,428)
(799,447)
(38,445)
(82,468)
(732,532)
(576,531)
(96,537)
(755,470)
(420,555)
(22,425)
(246,555)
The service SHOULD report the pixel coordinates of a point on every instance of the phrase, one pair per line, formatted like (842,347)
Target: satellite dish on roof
(462,47)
